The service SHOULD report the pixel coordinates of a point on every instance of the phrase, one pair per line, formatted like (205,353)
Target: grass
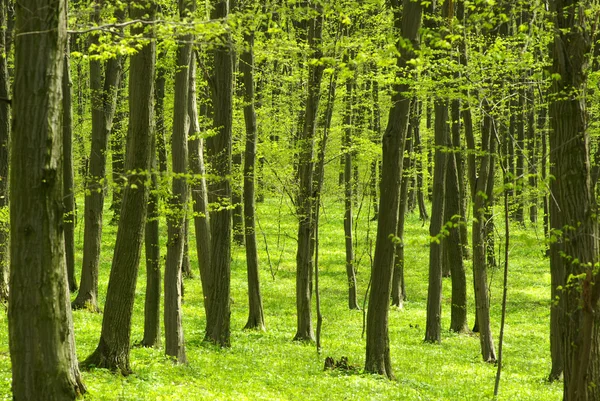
(269,366)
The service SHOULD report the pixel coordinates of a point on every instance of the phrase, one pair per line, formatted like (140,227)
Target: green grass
(269,366)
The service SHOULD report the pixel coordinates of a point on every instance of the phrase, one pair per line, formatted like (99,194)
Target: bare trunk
(378,358)
(219,153)
(40,326)
(113,348)
(433,327)
(256,319)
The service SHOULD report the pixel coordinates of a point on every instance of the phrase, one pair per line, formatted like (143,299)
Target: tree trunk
(433,328)
(219,153)
(570,156)
(454,244)
(398,287)
(348,194)
(198,190)
(378,344)
(113,348)
(304,204)
(40,326)
(4,160)
(174,339)
(104,98)
(117,151)
(153,261)
(479,233)
(256,318)
(69,197)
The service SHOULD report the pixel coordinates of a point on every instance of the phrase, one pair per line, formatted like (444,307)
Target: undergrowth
(270,366)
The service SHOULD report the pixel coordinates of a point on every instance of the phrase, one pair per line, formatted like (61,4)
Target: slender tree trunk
(153,261)
(459,158)
(104,98)
(520,153)
(113,348)
(423,215)
(398,287)
(117,151)
(433,328)
(532,149)
(454,244)
(378,358)
(479,233)
(199,191)
(40,326)
(174,340)
(219,152)
(256,319)
(69,197)
(304,204)
(348,194)
(4,152)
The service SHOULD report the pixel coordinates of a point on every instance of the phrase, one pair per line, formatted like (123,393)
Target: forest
(299,200)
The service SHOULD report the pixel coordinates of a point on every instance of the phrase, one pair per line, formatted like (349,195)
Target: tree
(256,319)
(42,344)
(570,156)
(377,350)
(4,147)
(104,99)
(304,202)
(174,342)
(434,293)
(219,154)
(114,345)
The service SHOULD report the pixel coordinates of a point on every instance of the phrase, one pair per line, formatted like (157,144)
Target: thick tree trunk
(174,339)
(378,358)
(256,318)
(40,326)
(113,348)
(104,98)
(304,204)
(219,153)
(570,156)
(433,327)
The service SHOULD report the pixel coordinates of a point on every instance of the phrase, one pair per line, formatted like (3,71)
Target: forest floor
(270,366)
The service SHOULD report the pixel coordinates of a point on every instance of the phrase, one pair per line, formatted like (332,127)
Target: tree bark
(199,191)
(256,318)
(305,199)
(479,234)
(378,348)
(433,327)
(174,339)
(104,98)
(4,156)
(219,153)
(348,194)
(575,200)
(68,174)
(40,326)
(398,287)
(153,261)
(114,345)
